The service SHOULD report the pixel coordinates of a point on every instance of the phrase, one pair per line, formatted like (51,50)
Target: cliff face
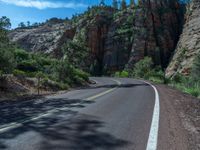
(43,38)
(157,28)
(189,43)
(97,31)
(152,29)
(119,40)
(116,39)
(109,39)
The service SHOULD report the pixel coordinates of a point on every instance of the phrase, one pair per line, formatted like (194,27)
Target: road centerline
(105,92)
(14,125)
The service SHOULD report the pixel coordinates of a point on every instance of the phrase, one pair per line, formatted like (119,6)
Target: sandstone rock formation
(157,28)
(115,39)
(189,43)
(43,38)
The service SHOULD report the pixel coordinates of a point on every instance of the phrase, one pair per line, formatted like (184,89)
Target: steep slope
(113,39)
(43,38)
(118,39)
(157,28)
(189,43)
(108,36)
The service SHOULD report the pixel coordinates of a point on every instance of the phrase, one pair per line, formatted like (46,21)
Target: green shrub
(21,55)
(158,76)
(155,79)
(64,72)
(193,91)
(40,75)
(166,80)
(81,74)
(124,74)
(28,66)
(48,84)
(178,78)
(195,74)
(45,81)
(78,80)
(7,61)
(117,74)
(143,68)
(187,85)
(19,73)
(62,86)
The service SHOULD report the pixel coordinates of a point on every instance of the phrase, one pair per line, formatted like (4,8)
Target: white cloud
(40,4)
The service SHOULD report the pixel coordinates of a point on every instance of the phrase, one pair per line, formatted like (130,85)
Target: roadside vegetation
(145,69)
(189,84)
(47,72)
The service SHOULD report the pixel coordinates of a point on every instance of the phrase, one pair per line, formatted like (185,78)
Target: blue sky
(40,10)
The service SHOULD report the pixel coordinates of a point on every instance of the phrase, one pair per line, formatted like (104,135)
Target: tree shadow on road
(64,130)
(116,85)
(80,132)
(22,111)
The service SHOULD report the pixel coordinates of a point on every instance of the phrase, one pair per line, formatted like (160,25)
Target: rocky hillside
(113,39)
(189,44)
(42,38)
(157,27)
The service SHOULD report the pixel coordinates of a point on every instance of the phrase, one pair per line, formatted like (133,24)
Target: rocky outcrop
(157,28)
(116,39)
(67,36)
(119,41)
(109,34)
(97,31)
(43,38)
(189,44)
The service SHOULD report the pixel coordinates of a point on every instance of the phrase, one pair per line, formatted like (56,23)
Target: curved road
(112,114)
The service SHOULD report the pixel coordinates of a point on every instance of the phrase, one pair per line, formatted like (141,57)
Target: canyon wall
(189,44)
(116,39)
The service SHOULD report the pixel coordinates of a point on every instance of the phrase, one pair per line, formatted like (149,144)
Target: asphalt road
(112,114)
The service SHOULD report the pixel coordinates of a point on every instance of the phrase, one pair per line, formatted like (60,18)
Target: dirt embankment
(179,120)
(13,88)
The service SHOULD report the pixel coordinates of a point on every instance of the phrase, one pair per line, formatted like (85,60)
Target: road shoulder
(179,120)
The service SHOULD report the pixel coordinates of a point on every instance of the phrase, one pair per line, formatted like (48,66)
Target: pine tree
(132,3)
(21,25)
(140,2)
(123,4)
(102,3)
(28,24)
(7,61)
(115,4)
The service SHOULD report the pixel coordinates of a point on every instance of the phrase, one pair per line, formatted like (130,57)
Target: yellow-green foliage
(122,74)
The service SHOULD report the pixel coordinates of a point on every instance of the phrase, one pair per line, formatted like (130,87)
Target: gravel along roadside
(179,120)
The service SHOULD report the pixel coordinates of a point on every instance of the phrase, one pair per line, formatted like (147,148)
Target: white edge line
(153,135)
